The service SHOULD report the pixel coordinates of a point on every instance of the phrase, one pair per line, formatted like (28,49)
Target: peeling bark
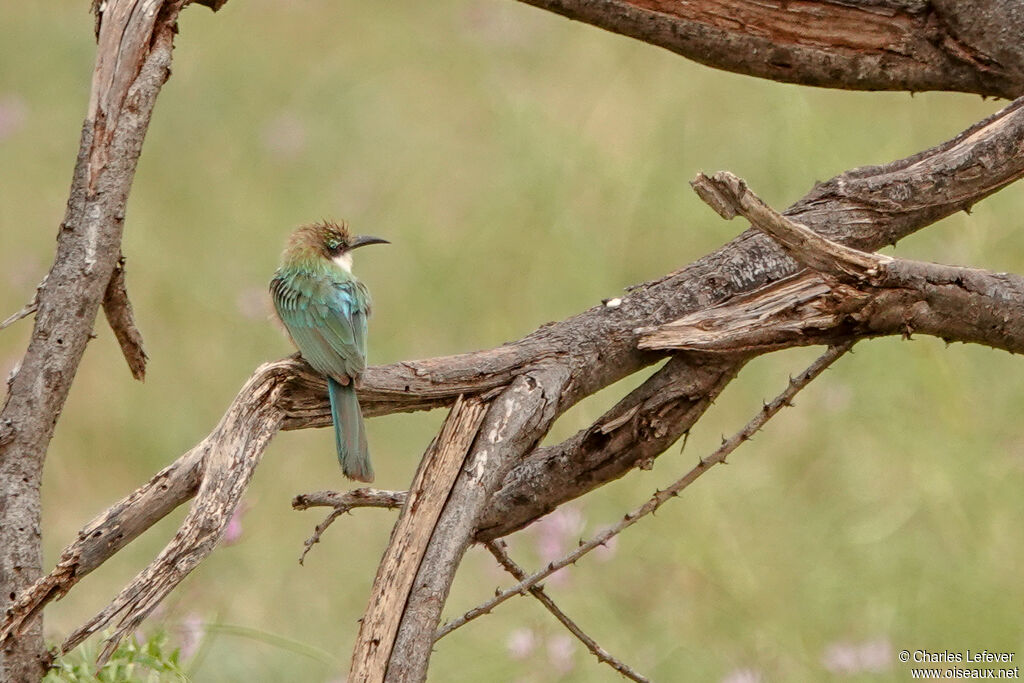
(516,420)
(409,540)
(229,457)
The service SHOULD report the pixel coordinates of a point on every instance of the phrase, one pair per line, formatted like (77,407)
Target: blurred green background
(524,167)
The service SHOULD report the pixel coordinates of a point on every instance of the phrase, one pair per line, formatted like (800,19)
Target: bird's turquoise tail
(349,432)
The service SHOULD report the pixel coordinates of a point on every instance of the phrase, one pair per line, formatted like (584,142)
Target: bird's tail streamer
(349,431)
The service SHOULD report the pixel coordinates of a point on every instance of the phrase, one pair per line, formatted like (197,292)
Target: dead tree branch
(864,208)
(409,540)
(484,476)
(500,553)
(851,294)
(350,500)
(630,435)
(230,455)
(26,310)
(769,411)
(342,503)
(133,56)
(515,422)
(910,45)
(729,196)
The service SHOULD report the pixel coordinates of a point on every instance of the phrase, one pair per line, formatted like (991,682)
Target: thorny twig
(497,548)
(728,446)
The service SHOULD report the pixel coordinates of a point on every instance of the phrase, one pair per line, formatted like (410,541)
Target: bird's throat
(344,261)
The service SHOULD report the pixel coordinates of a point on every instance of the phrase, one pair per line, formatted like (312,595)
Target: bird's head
(331,240)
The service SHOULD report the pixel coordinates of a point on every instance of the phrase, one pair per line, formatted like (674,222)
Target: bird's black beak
(363,240)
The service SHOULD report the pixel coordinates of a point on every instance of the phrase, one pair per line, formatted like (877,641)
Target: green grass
(524,167)
(153,660)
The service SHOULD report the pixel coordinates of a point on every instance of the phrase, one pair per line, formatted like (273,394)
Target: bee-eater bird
(324,308)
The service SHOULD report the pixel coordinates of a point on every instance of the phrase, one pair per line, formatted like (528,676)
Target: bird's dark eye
(333,245)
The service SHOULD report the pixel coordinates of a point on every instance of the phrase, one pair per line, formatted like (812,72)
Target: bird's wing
(327,321)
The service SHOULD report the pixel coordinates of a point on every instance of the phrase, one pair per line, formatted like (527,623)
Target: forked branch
(864,208)
(850,295)
(660,497)
(427,497)
(342,503)
(229,458)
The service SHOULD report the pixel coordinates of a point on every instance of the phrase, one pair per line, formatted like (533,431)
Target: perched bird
(325,308)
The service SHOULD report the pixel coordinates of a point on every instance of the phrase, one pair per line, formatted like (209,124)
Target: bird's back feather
(326,318)
(325,310)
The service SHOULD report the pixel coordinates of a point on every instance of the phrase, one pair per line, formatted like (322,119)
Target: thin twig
(365,497)
(728,446)
(342,503)
(28,310)
(497,548)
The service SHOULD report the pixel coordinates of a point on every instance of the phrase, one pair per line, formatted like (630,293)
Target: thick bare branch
(909,45)
(515,421)
(853,294)
(132,63)
(955,304)
(409,541)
